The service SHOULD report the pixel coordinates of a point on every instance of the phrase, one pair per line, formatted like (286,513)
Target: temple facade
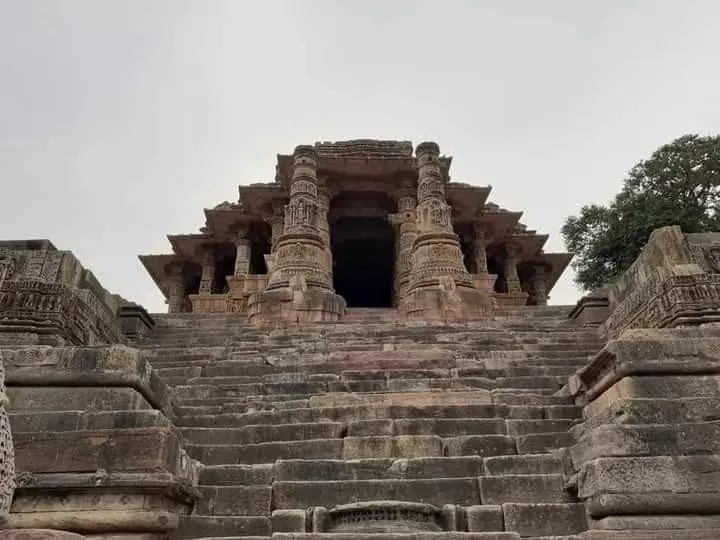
(362,223)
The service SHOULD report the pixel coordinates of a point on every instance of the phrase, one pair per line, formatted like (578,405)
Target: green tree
(678,185)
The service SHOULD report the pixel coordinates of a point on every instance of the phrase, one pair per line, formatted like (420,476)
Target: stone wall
(96,451)
(647,457)
(48,297)
(674,282)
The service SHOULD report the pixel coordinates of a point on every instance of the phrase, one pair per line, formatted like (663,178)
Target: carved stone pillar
(7,454)
(538,284)
(511,274)
(242,252)
(208,272)
(405,234)
(176,289)
(479,249)
(323,209)
(300,284)
(440,285)
(276,222)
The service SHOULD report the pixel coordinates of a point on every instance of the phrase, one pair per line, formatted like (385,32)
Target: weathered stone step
(544,519)
(400,536)
(401,446)
(234,501)
(194,526)
(219,454)
(412,468)
(523,488)
(40,421)
(237,475)
(378,469)
(219,416)
(438,491)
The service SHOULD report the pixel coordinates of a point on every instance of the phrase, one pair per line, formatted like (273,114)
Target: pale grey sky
(121,120)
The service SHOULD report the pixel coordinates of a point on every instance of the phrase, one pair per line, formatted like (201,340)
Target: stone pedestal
(440,286)
(209,303)
(300,285)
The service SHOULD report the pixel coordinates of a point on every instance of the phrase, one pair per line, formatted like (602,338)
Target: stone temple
(361,350)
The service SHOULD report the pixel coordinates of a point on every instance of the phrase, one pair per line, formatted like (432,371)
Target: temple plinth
(361,223)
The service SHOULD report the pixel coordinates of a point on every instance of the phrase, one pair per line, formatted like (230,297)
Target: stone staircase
(462,417)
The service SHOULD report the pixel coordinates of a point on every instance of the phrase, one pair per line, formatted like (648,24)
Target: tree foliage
(678,185)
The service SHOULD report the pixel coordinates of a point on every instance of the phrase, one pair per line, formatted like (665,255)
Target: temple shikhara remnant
(359,224)
(361,350)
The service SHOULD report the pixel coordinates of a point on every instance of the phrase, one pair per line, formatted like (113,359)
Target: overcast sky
(121,120)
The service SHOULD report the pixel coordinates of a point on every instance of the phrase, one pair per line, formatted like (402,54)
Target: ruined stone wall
(674,282)
(48,297)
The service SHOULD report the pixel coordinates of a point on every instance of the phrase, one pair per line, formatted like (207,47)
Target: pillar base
(296,304)
(448,302)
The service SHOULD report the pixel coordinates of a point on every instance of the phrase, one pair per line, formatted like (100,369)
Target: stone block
(74,398)
(544,519)
(391,447)
(485,518)
(523,464)
(38,534)
(523,488)
(480,445)
(450,427)
(234,501)
(147,449)
(289,521)
(628,475)
(647,440)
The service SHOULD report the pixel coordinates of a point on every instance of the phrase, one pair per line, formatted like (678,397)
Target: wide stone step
(439,491)
(219,454)
(402,446)
(220,416)
(195,526)
(378,469)
(400,536)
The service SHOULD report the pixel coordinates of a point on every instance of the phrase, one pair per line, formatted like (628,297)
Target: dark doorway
(363,261)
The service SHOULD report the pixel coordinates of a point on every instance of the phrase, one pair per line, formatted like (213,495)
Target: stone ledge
(116,365)
(143,449)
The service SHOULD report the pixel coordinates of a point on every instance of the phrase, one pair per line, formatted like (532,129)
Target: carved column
(405,234)
(323,209)
(479,249)
(511,274)
(176,289)
(242,252)
(300,285)
(440,285)
(276,221)
(208,271)
(7,454)
(538,284)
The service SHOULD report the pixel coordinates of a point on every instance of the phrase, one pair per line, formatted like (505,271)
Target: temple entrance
(363,261)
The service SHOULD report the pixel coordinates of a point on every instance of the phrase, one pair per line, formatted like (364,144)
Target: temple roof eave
(155,265)
(558,263)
